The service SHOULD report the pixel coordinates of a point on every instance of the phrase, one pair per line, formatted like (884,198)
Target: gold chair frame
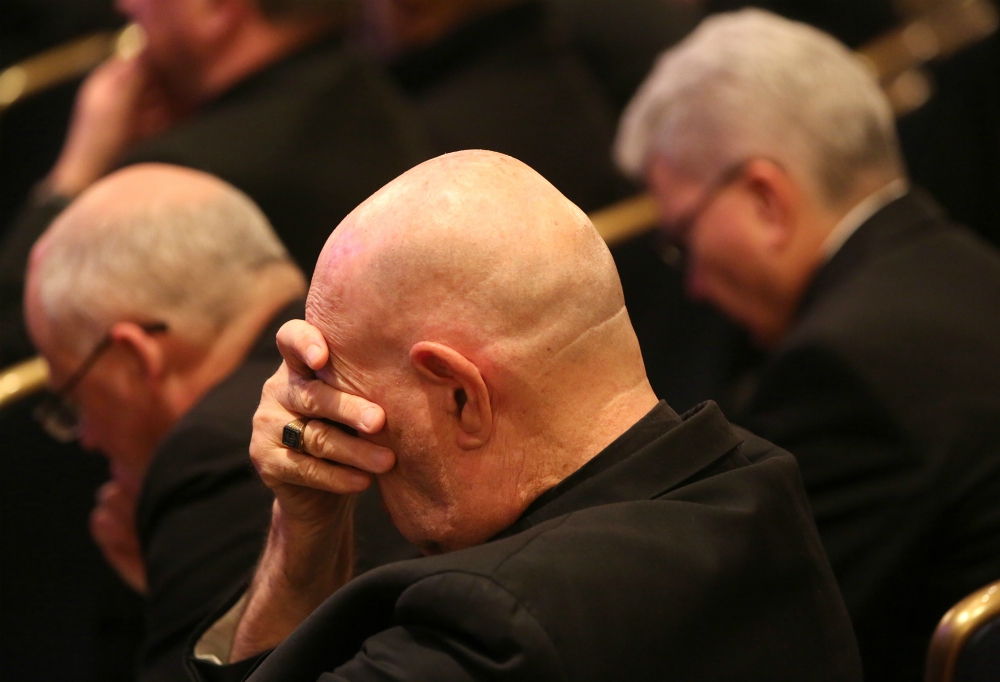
(22,380)
(956,628)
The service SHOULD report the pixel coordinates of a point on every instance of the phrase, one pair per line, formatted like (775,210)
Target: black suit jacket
(887,390)
(204,513)
(684,551)
(308,139)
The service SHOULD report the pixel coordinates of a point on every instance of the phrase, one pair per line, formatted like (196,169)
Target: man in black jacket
(262,93)
(155,297)
(775,161)
(468,321)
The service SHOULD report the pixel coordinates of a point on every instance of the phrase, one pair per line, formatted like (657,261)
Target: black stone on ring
(291,436)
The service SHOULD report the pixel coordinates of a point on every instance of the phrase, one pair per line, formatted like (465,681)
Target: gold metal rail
(66,62)
(956,627)
(22,380)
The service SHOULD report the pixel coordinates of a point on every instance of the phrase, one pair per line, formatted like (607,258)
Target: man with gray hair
(155,298)
(773,157)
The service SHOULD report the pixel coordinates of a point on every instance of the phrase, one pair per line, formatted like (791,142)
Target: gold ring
(292,435)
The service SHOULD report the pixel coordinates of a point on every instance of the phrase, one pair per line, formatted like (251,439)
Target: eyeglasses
(57,415)
(675,233)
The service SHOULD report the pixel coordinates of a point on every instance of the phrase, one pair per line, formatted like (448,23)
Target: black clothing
(684,551)
(64,613)
(204,513)
(507,83)
(886,390)
(307,138)
(620,41)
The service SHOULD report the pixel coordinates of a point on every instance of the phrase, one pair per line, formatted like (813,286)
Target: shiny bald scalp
(482,311)
(473,249)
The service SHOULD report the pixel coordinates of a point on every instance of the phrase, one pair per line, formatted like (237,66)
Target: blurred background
(64,614)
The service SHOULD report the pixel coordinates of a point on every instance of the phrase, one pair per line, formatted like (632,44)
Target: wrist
(303,564)
(315,555)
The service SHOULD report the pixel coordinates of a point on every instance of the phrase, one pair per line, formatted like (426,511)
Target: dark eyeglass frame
(57,416)
(675,233)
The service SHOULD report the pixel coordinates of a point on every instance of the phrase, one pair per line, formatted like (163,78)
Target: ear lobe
(464,398)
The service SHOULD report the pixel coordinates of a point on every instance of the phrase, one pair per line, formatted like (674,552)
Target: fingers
(318,400)
(327,442)
(337,462)
(302,346)
(280,468)
(281,403)
(340,470)
(305,351)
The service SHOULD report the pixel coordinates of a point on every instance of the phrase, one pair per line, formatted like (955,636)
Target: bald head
(474,249)
(152,242)
(479,307)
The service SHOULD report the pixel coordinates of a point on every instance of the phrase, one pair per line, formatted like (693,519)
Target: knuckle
(307,400)
(321,444)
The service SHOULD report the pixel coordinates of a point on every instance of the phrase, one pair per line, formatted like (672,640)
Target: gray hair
(194,265)
(750,83)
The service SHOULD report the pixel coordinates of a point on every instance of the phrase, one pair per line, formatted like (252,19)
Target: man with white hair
(469,322)
(773,156)
(155,298)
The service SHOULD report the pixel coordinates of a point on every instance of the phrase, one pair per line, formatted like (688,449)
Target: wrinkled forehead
(339,299)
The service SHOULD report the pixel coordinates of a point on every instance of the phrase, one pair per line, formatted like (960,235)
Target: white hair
(752,84)
(193,265)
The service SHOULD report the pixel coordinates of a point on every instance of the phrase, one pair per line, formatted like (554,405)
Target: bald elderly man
(774,157)
(467,321)
(155,298)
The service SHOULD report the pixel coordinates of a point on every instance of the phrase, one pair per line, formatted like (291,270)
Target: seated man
(468,320)
(155,298)
(773,155)
(262,93)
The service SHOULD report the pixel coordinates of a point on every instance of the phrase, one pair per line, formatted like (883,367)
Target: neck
(824,229)
(252,47)
(581,417)
(231,346)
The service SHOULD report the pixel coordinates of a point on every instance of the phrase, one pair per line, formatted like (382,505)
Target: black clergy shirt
(684,551)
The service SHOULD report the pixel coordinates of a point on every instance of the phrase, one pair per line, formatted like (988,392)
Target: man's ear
(777,198)
(463,392)
(147,353)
